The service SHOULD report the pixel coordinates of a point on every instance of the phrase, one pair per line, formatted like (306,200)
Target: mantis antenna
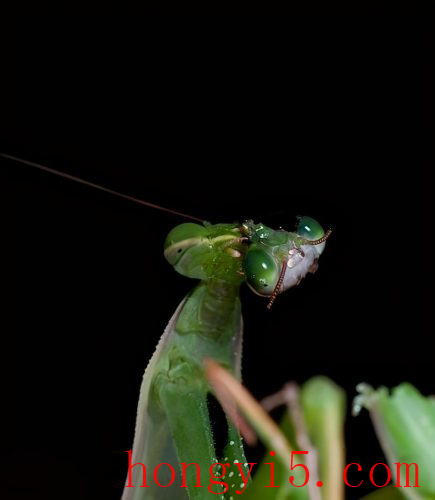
(320,240)
(98,186)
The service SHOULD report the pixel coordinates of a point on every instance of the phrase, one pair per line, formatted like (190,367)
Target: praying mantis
(173,425)
(207,324)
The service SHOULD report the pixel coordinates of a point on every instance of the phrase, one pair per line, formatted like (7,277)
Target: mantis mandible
(173,423)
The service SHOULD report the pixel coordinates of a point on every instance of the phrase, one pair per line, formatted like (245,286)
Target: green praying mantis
(173,422)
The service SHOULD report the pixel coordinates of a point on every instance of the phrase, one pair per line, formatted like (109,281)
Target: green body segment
(177,404)
(173,421)
(206,252)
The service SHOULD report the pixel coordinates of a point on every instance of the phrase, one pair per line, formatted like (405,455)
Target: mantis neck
(211,319)
(219,304)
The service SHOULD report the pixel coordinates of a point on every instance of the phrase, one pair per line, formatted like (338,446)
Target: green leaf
(324,405)
(387,493)
(405,425)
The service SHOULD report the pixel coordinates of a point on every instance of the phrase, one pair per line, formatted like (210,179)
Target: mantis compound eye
(309,228)
(261,270)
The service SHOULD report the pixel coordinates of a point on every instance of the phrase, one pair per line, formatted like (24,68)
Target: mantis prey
(173,423)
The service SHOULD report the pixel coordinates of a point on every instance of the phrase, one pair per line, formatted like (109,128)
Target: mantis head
(278,260)
(270,261)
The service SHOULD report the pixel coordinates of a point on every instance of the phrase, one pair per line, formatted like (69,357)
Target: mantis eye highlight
(261,271)
(309,228)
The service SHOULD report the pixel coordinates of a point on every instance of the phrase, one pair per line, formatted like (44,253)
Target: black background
(334,115)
